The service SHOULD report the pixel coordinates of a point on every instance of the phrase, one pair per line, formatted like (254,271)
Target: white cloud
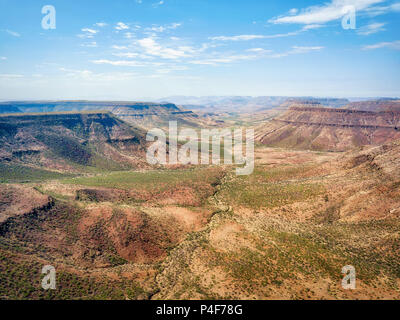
(88,75)
(88,33)
(256,53)
(312,26)
(164,28)
(247,37)
(119,47)
(126,54)
(225,59)
(392,45)
(174,25)
(325,13)
(169,69)
(221,58)
(371,29)
(157,4)
(121,26)
(101,24)
(92,44)
(258,50)
(120,63)
(10,76)
(129,35)
(296,50)
(13,33)
(379,10)
(85,36)
(81,73)
(243,37)
(92,31)
(300,49)
(158,29)
(151,47)
(3,58)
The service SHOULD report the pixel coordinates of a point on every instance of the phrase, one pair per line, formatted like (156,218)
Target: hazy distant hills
(177,107)
(246,103)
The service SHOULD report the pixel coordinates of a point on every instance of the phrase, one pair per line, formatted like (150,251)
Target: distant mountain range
(246,103)
(180,105)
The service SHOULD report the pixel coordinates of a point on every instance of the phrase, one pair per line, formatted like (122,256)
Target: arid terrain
(77,193)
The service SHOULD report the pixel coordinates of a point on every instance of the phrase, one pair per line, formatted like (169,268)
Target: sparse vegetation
(13,173)
(197,232)
(268,188)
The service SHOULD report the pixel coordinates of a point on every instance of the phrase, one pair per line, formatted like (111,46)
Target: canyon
(77,193)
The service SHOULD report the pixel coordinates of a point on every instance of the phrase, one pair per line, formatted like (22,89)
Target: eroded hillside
(283,232)
(286,231)
(328,129)
(67,143)
(77,195)
(145,115)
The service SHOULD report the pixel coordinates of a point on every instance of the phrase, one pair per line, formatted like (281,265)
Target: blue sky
(148,49)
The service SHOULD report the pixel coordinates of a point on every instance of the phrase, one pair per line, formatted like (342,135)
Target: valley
(77,193)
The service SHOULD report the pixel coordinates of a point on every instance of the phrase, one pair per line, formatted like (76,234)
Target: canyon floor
(284,232)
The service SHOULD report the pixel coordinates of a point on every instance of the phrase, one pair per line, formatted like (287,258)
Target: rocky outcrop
(64,140)
(140,114)
(375,105)
(9,109)
(318,128)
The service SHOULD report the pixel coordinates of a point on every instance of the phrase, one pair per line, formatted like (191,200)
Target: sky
(150,49)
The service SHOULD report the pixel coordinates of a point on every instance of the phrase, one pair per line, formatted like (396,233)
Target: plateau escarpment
(9,109)
(143,114)
(148,115)
(69,141)
(318,128)
(375,105)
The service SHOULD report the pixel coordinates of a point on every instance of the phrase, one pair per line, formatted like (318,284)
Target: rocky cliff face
(149,115)
(9,109)
(143,114)
(375,105)
(330,129)
(65,140)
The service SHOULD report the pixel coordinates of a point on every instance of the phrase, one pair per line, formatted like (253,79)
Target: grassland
(13,173)
(154,180)
(270,187)
(21,278)
(285,231)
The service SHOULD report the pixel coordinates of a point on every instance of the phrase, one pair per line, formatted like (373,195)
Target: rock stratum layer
(143,114)
(330,129)
(69,141)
